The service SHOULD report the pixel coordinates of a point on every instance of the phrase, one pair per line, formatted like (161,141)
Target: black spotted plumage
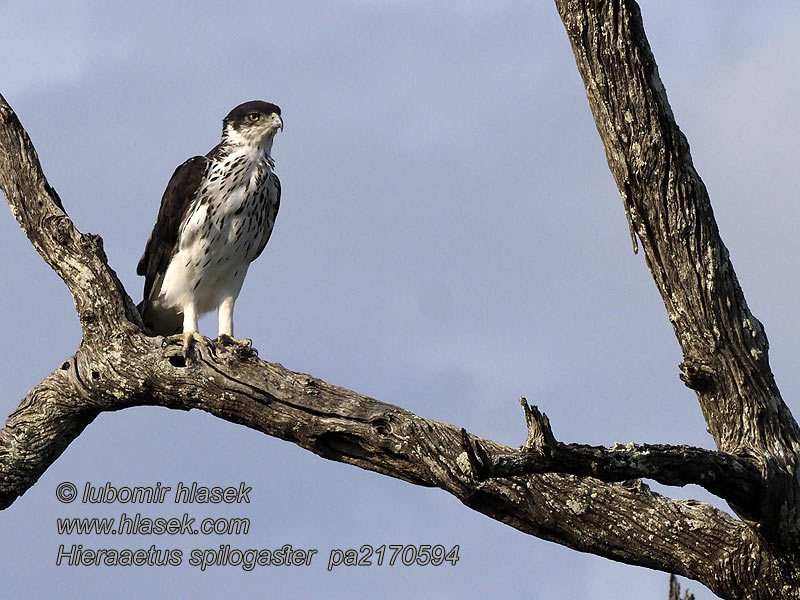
(215,210)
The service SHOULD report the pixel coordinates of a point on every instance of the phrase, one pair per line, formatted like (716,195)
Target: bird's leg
(225,330)
(225,317)
(190,333)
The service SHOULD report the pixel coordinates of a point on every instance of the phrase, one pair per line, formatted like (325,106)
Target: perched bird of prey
(216,216)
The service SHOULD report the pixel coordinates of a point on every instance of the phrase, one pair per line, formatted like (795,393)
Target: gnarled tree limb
(117,366)
(103,306)
(724,345)
(729,477)
(628,523)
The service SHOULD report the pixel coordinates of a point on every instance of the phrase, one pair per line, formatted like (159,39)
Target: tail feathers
(160,320)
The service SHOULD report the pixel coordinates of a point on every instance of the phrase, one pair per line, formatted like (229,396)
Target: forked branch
(729,477)
(128,368)
(724,346)
(579,496)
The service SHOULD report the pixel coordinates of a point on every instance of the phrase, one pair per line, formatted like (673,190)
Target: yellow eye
(254,117)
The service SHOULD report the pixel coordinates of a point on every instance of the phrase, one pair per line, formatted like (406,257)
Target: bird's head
(252,123)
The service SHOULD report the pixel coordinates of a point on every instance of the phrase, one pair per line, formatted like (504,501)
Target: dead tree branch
(724,345)
(128,368)
(567,494)
(724,475)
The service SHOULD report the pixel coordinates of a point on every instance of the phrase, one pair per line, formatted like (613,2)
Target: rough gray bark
(585,498)
(725,475)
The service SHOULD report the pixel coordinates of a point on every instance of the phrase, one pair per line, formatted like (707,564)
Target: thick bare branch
(724,345)
(112,372)
(117,366)
(100,300)
(724,475)
(628,523)
(131,369)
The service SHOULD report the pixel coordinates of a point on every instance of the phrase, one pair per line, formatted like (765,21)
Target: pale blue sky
(449,239)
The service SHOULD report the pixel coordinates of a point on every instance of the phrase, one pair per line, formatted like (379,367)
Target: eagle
(216,217)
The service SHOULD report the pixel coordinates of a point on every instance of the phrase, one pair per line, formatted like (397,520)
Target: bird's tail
(160,320)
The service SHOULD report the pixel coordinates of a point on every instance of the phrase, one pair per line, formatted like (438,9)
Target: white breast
(227,225)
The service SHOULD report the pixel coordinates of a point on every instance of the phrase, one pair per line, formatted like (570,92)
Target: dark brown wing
(274,191)
(163,241)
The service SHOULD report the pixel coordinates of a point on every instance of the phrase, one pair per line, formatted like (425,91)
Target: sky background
(450,238)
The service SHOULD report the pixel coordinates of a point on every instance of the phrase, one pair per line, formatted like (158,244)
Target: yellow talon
(190,338)
(243,347)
